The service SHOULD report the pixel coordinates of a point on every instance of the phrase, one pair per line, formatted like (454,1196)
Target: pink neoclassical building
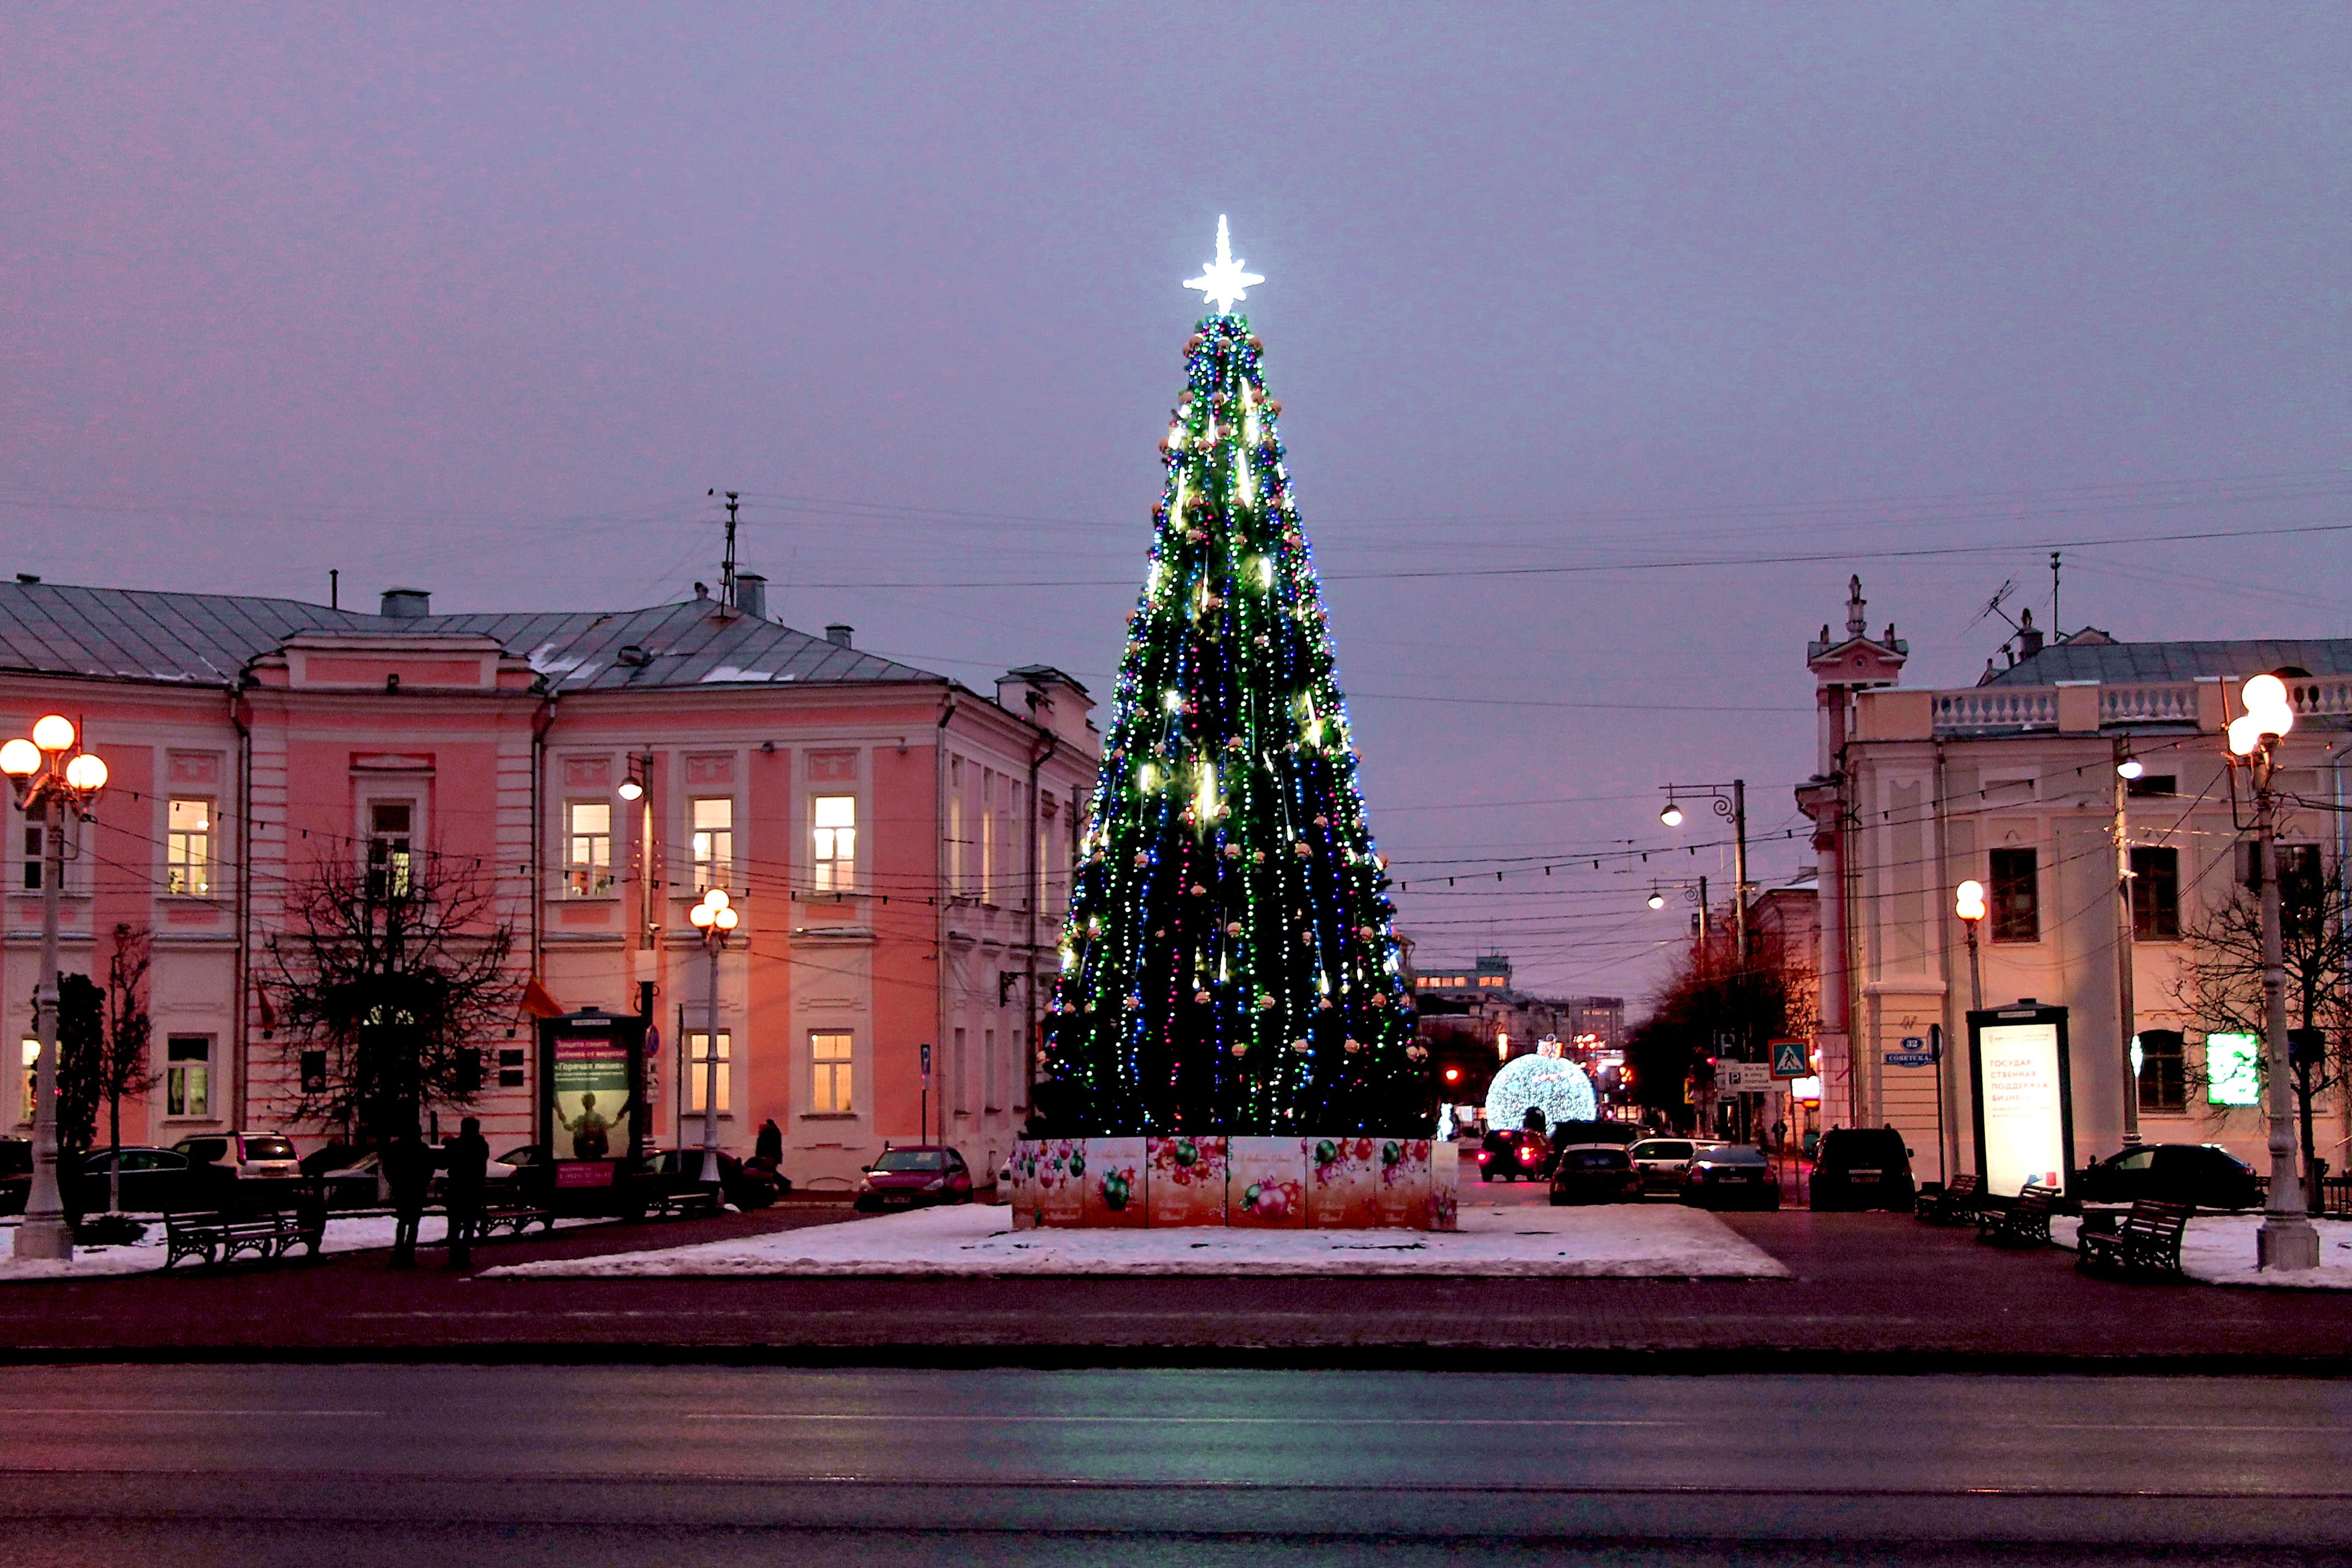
(898,844)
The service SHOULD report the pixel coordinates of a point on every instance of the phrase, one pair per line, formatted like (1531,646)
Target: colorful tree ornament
(1241,903)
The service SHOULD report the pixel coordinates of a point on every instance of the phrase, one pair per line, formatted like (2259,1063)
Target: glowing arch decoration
(1557,1088)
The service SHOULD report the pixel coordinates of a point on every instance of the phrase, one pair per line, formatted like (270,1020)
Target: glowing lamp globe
(1552,1085)
(726,920)
(19,758)
(87,774)
(2265,694)
(1968,900)
(54,734)
(631,789)
(2130,768)
(2245,735)
(1657,901)
(702,915)
(1672,816)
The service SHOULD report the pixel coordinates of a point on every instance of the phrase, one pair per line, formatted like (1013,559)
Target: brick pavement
(1876,1291)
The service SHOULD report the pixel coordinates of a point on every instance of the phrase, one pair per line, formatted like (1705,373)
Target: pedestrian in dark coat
(469,1158)
(769,1144)
(408,1171)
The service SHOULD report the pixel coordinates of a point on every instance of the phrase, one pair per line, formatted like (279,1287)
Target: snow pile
(1618,1239)
(2218,1249)
(353,1233)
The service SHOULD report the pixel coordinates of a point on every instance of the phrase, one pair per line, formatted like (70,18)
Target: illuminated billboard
(2234,1072)
(2024,1101)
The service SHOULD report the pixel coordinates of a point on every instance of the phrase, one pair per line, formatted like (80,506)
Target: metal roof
(207,639)
(2127,663)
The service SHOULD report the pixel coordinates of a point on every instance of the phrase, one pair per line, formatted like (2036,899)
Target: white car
(1664,1162)
(249,1156)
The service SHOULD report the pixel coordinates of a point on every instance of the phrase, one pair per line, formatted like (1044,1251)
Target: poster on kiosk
(2024,1097)
(591,1116)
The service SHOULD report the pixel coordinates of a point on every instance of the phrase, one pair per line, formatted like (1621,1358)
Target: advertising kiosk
(2024,1097)
(591,1104)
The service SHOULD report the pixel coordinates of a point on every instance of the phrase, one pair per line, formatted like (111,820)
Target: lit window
(187,1075)
(390,828)
(188,848)
(830,1073)
(32,1071)
(834,854)
(587,849)
(697,1071)
(714,842)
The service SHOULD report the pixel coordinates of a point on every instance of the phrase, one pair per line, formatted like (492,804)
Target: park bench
(1954,1203)
(2023,1221)
(2147,1241)
(516,1215)
(688,1203)
(218,1238)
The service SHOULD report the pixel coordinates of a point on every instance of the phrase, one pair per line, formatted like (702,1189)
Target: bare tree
(384,975)
(1710,996)
(104,1050)
(2220,984)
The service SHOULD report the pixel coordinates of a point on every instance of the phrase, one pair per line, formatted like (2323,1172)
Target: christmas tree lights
(1229,964)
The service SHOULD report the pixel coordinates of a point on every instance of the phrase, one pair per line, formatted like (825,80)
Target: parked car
(16,1174)
(1732,1176)
(1518,1156)
(248,1156)
(154,1181)
(1594,1173)
(917,1174)
(1663,1160)
(2196,1173)
(1863,1168)
(747,1187)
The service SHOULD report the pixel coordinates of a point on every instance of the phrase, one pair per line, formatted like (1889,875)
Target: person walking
(770,1143)
(469,1162)
(408,1170)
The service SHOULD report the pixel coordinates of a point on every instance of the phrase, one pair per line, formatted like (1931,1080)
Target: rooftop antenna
(2057,627)
(727,567)
(1992,606)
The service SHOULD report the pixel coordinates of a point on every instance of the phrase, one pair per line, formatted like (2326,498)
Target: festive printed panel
(1403,1184)
(1114,1182)
(1339,1183)
(1185,1181)
(1061,1181)
(1021,1185)
(1267,1185)
(1445,1188)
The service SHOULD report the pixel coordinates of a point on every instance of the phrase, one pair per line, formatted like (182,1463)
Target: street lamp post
(1730,803)
(2286,1240)
(41,776)
(1969,903)
(715,918)
(2127,768)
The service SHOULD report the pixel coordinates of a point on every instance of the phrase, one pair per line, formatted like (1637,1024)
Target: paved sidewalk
(1870,1292)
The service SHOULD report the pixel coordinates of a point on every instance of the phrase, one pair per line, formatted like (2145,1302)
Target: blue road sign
(1790,1059)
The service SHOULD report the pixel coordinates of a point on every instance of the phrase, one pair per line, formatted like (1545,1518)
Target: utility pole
(726,564)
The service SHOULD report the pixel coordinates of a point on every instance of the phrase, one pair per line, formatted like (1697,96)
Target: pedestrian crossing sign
(1790,1059)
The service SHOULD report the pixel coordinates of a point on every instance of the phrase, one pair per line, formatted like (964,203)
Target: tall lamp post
(2286,1240)
(715,918)
(2127,768)
(1969,903)
(44,778)
(1730,803)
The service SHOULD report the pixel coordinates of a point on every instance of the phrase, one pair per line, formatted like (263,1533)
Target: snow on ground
(1617,1239)
(345,1233)
(2218,1249)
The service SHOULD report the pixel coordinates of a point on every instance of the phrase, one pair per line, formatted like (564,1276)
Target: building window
(188,848)
(957,860)
(587,849)
(2152,785)
(714,841)
(390,830)
(33,831)
(699,1058)
(32,1075)
(834,854)
(2163,1072)
(2016,896)
(829,1068)
(2155,894)
(187,1075)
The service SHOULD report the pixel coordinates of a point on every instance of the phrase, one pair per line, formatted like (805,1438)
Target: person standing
(408,1171)
(469,1163)
(769,1144)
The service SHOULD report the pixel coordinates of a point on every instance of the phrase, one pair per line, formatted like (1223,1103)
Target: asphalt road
(356,1466)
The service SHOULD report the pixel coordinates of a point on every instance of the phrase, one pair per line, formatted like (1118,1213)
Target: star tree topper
(1224,282)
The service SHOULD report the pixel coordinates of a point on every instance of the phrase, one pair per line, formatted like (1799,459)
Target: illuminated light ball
(1233,928)
(1557,1087)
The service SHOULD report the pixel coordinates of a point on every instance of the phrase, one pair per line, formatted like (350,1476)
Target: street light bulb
(1657,901)
(716,898)
(2129,768)
(1967,902)
(726,920)
(2264,692)
(20,758)
(54,734)
(701,915)
(2245,736)
(631,789)
(87,774)
(1672,816)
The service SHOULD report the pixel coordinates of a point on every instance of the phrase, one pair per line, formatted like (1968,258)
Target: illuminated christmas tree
(1230,962)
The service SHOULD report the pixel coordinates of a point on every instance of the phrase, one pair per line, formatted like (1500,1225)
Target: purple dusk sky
(484,299)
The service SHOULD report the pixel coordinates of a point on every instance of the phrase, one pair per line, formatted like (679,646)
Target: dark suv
(1521,1156)
(1863,1168)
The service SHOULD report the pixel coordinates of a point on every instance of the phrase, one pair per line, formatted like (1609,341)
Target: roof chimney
(751,594)
(837,634)
(2029,640)
(406,604)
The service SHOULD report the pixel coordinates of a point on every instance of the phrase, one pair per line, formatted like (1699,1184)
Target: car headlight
(935,1183)
(865,1185)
